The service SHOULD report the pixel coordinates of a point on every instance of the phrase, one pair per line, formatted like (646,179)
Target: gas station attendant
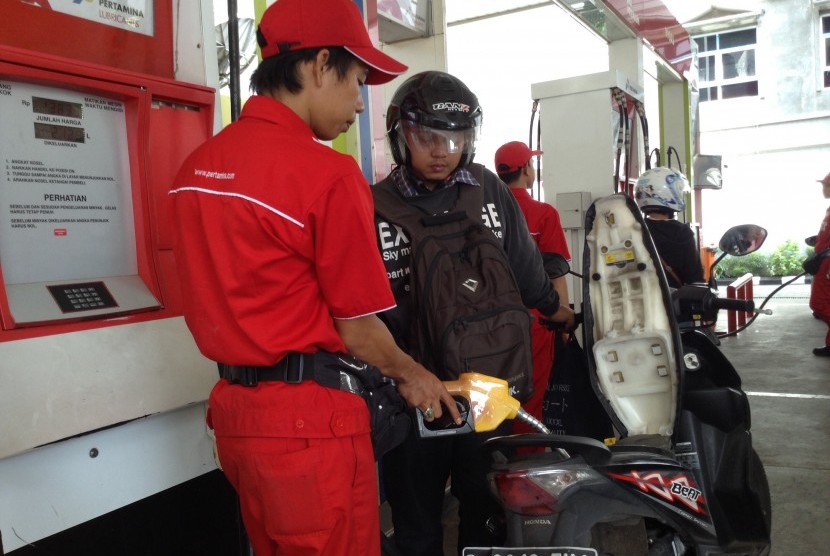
(276,250)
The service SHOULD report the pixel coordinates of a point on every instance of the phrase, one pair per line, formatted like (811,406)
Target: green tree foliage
(786,259)
(756,264)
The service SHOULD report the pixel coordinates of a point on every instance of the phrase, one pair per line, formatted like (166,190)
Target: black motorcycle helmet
(436,100)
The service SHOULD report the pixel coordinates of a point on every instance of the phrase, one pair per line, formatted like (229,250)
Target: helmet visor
(421,138)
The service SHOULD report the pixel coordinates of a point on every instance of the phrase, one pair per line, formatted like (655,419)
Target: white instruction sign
(66,207)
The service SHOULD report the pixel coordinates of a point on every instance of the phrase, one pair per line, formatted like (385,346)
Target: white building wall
(774,146)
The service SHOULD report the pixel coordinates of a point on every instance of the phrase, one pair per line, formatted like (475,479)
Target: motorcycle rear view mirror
(555,265)
(742,240)
(738,241)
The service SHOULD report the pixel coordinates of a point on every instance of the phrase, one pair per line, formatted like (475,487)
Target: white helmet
(661,188)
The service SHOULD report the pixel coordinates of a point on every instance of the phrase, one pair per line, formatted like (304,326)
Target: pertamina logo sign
(132,15)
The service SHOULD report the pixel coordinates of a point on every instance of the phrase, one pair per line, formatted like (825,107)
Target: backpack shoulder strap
(392,207)
(671,271)
(471,197)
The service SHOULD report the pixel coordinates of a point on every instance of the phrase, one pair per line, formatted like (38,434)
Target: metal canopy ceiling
(587,12)
(611,20)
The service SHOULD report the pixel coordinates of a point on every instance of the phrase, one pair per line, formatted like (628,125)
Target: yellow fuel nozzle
(490,399)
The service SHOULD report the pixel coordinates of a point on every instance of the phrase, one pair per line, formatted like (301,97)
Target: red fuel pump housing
(39,26)
(165,121)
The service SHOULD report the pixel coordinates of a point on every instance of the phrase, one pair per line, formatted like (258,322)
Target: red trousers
(542,345)
(820,297)
(300,457)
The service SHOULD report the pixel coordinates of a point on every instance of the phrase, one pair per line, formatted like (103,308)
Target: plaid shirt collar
(411,186)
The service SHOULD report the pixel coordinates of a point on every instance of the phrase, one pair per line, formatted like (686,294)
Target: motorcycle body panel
(637,482)
(714,440)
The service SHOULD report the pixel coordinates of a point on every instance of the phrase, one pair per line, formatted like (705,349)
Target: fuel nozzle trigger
(444,425)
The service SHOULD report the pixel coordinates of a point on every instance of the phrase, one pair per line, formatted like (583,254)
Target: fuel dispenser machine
(595,138)
(103,389)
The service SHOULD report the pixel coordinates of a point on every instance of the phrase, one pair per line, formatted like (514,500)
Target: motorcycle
(680,477)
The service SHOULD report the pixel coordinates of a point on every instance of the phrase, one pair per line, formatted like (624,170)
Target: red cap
(512,156)
(289,25)
(825,180)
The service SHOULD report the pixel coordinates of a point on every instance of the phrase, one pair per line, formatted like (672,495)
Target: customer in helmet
(432,124)
(660,195)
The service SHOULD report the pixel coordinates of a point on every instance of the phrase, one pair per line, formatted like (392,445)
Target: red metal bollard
(739,289)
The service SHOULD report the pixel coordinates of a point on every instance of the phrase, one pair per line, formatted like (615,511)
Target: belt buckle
(294,367)
(248,376)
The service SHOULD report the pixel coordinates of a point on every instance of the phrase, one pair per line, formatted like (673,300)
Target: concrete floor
(789,393)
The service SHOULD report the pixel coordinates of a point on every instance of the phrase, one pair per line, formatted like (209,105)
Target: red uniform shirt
(543,223)
(275,239)
(823,237)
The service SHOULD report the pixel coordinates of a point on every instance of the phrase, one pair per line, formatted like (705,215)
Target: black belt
(293,369)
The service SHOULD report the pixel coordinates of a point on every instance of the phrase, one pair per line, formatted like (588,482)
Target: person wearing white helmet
(660,194)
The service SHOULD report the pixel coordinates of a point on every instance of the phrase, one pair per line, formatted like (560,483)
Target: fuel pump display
(104,389)
(66,210)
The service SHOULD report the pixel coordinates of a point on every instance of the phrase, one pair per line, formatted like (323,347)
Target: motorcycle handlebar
(747,305)
(698,303)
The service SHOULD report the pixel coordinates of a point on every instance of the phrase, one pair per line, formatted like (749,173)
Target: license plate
(529,551)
